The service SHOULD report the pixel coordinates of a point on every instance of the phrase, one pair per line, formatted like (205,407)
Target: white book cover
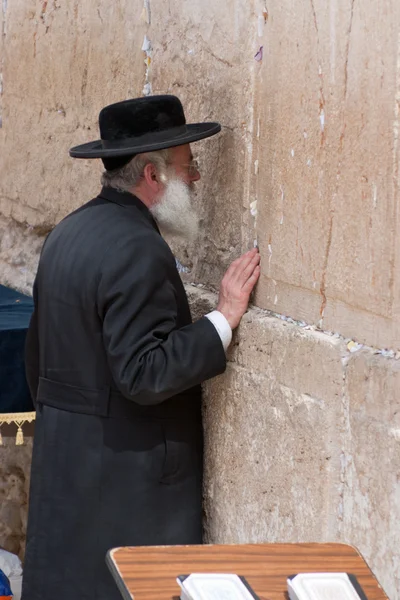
(215,586)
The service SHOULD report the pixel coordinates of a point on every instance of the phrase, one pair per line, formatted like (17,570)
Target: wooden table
(149,572)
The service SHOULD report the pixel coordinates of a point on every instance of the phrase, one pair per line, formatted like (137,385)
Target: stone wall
(327,108)
(303,430)
(303,442)
(14,489)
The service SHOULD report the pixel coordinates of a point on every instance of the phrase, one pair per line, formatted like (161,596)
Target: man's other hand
(237,285)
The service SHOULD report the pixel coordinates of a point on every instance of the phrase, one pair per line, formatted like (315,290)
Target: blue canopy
(15,314)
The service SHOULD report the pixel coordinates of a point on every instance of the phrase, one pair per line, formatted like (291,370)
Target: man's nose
(195,177)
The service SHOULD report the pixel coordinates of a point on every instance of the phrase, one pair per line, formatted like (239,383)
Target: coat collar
(126,199)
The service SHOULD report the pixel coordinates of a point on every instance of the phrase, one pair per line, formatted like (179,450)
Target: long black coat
(114,365)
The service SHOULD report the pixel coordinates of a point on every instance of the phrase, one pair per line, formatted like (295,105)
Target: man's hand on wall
(237,285)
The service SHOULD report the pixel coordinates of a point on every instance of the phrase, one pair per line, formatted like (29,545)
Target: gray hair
(127,177)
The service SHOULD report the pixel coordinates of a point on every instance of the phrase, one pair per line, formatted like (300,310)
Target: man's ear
(153,179)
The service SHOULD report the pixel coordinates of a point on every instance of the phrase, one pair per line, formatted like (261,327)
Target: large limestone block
(269,449)
(327,153)
(274,429)
(72,58)
(371,466)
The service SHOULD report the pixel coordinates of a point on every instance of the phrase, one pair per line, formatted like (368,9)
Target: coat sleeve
(150,358)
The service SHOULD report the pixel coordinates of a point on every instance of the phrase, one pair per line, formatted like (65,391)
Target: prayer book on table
(215,586)
(324,586)
(303,586)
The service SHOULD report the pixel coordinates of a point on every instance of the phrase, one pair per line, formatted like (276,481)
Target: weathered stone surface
(73,67)
(327,153)
(302,438)
(273,446)
(371,464)
(19,252)
(15,464)
(274,429)
(302,442)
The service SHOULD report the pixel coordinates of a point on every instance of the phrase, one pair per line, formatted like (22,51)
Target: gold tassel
(19,440)
(1,439)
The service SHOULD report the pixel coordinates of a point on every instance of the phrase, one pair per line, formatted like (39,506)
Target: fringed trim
(19,419)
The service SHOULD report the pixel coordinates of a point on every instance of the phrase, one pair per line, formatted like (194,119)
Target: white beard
(174,212)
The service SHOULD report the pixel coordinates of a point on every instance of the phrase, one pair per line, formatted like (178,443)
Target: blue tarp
(15,314)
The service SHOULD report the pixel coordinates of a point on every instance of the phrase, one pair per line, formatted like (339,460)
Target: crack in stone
(321,85)
(24,227)
(346,67)
(325,267)
(338,172)
(3,35)
(315,17)
(322,112)
(4,9)
(227,127)
(84,81)
(346,459)
(221,60)
(395,177)
(44,9)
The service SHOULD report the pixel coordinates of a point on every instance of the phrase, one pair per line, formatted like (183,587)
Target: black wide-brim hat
(142,125)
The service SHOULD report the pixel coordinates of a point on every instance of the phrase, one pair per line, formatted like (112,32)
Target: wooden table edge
(116,574)
(113,551)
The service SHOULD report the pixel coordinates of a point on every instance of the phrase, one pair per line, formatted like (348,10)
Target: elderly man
(114,362)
